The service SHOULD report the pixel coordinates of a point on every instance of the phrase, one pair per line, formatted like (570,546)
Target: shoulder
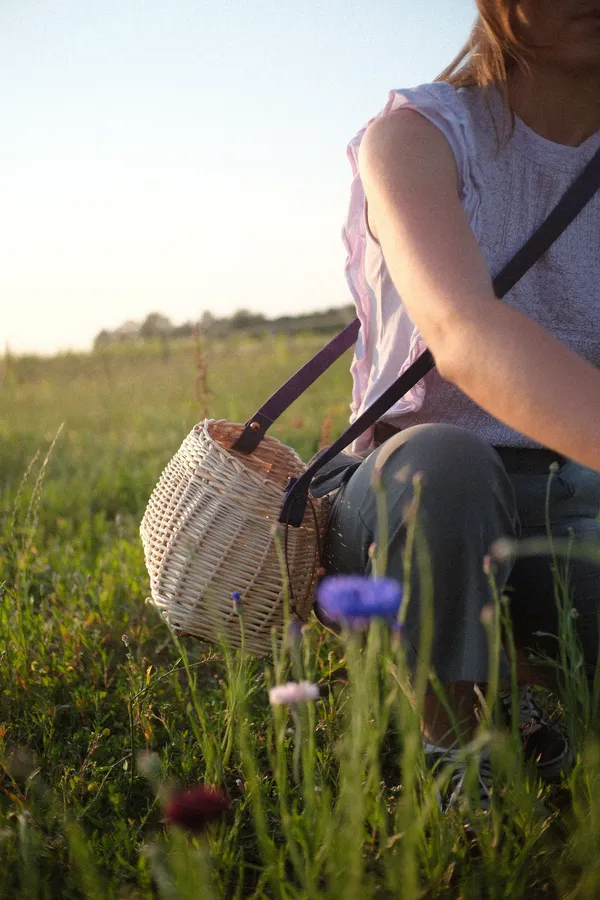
(414,139)
(438,103)
(449,110)
(406,139)
(426,134)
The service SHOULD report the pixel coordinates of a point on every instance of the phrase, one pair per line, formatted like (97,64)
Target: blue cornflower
(294,633)
(354,600)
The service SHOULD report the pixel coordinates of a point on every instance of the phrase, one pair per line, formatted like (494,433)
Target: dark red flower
(195,808)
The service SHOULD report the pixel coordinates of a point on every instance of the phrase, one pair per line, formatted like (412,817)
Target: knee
(435,450)
(453,464)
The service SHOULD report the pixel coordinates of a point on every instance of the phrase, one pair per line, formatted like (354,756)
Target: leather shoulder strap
(269,412)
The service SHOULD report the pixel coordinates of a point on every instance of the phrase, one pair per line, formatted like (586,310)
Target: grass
(103,712)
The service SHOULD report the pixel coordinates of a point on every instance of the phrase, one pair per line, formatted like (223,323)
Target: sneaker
(460,788)
(543,742)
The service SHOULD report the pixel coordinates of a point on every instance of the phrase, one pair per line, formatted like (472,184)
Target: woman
(451,180)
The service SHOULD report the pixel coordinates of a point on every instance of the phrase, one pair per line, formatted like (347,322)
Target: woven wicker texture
(208,531)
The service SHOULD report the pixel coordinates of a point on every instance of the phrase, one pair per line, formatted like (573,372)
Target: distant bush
(157,325)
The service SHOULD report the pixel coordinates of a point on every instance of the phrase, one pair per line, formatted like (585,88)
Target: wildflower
(195,808)
(237,601)
(488,614)
(354,599)
(502,550)
(294,634)
(148,764)
(293,692)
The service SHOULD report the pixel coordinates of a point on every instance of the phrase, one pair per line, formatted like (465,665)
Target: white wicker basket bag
(209,530)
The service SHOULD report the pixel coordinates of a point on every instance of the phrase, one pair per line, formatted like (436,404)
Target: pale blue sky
(183,156)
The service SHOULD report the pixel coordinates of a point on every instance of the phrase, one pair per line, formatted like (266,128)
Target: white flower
(293,692)
(502,550)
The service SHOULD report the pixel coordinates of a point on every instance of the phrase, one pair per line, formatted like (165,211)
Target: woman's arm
(499,357)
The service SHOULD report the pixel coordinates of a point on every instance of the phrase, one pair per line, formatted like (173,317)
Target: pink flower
(195,808)
(293,692)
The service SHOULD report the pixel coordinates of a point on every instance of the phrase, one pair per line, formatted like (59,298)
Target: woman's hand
(499,357)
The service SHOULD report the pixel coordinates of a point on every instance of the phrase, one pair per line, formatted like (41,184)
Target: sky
(179,156)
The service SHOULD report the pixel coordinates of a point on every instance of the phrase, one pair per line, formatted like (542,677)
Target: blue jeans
(468,500)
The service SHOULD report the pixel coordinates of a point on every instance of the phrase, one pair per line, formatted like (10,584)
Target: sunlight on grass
(105,716)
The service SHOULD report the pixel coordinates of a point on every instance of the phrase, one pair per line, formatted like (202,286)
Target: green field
(103,713)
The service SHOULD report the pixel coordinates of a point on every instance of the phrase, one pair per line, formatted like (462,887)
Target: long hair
(492,50)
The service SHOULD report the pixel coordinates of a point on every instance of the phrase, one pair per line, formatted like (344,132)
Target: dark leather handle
(263,418)
(294,506)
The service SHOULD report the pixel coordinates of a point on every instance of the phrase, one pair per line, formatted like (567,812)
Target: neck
(561,107)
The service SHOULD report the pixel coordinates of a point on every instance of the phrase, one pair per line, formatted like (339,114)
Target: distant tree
(155,325)
(184,330)
(206,323)
(102,339)
(243,318)
(128,331)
